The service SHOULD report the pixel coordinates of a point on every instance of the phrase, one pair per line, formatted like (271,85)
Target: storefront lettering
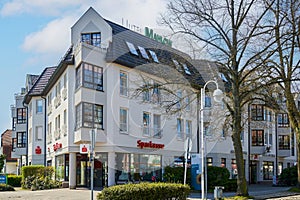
(142,145)
(57,146)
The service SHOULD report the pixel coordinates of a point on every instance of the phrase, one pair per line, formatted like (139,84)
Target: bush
(288,176)
(176,175)
(217,176)
(4,187)
(14,180)
(145,191)
(230,185)
(33,170)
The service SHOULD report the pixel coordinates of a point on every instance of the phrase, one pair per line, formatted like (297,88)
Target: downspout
(198,123)
(45,129)
(26,106)
(276,146)
(249,158)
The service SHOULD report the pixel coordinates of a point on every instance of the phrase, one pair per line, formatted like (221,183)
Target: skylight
(177,65)
(153,54)
(143,52)
(132,48)
(186,69)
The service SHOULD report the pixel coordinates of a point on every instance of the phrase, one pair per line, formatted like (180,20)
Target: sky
(35,34)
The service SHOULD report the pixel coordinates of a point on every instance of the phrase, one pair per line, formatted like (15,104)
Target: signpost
(93,138)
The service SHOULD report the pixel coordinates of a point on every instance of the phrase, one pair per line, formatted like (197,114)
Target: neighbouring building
(6,149)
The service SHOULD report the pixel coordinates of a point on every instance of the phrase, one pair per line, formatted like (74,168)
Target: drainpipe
(198,123)
(26,106)
(249,158)
(45,130)
(276,146)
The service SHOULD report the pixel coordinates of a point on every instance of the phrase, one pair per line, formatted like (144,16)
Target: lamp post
(218,95)
(92,151)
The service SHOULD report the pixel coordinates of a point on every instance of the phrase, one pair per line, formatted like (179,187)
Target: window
(123,120)
(223,162)
(186,69)
(91,38)
(49,99)
(179,98)
(39,106)
(14,122)
(65,81)
(284,142)
(153,55)
(146,124)
(268,170)
(57,89)
(206,130)
(233,169)
(132,48)
(257,138)
(257,112)
(57,128)
(89,76)
(49,135)
(283,120)
(146,92)
(123,83)
(156,93)
(89,115)
(143,52)
(14,143)
(209,161)
(157,126)
(21,115)
(292,145)
(177,65)
(180,128)
(38,133)
(207,102)
(188,128)
(187,103)
(21,139)
(65,117)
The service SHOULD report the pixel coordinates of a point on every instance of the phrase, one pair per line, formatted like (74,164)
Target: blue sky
(36,33)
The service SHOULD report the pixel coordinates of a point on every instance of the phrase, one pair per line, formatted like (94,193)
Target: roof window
(186,69)
(177,65)
(143,52)
(153,54)
(132,48)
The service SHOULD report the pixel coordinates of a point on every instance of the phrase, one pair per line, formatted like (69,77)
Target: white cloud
(40,7)
(54,38)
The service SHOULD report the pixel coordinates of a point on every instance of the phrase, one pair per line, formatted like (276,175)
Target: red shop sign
(57,146)
(38,150)
(151,145)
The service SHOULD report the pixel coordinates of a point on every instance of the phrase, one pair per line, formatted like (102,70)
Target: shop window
(268,170)
(21,116)
(257,137)
(59,168)
(91,38)
(257,112)
(123,83)
(283,120)
(89,76)
(284,142)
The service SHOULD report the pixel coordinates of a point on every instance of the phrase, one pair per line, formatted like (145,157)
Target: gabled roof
(40,84)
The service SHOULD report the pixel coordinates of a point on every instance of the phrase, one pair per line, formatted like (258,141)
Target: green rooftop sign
(150,34)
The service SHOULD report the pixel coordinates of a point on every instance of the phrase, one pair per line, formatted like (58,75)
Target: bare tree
(285,62)
(233,33)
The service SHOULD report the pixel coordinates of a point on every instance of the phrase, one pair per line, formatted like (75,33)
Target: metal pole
(202,142)
(92,162)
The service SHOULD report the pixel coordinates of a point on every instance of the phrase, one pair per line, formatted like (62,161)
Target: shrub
(145,191)
(217,176)
(33,170)
(230,185)
(4,187)
(288,176)
(176,174)
(14,180)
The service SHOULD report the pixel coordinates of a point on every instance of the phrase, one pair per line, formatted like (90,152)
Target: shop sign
(38,150)
(154,36)
(255,157)
(151,145)
(3,179)
(57,146)
(84,148)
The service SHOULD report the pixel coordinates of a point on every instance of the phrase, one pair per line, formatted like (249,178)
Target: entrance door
(253,172)
(98,174)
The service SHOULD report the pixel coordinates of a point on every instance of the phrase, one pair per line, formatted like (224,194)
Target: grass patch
(238,198)
(294,189)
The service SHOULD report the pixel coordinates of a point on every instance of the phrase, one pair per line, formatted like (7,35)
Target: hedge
(145,191)
(14,180)
(4,187)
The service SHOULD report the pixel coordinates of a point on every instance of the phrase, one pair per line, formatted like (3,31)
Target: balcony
(284,152)
(84,52)
(82,135)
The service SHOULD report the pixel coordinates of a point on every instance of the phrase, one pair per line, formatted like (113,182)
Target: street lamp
(218,95)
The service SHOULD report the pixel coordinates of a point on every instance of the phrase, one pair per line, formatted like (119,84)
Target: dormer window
(132,48)
(177,65)
(143,52)
(91,38)
(153,55)
(186,69)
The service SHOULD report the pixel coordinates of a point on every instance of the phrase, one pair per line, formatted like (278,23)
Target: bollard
(218,192)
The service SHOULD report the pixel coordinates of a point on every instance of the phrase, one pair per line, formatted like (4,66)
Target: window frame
(21,119)
(284,142)
(123,80)
(92,38)
(21,139)
(259,140)
(89,76)
(86,119)
(123,124)
(257,112)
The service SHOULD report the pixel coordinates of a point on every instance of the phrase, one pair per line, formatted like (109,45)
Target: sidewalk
(258,191)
